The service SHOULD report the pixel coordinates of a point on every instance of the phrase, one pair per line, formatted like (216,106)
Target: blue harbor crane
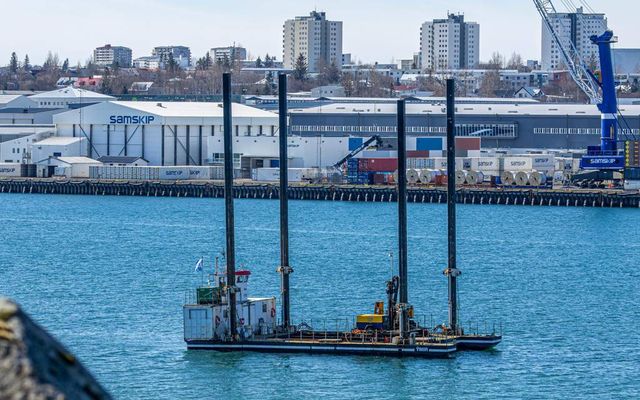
(601,91)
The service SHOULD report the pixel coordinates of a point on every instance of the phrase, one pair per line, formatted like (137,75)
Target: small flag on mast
(199,265)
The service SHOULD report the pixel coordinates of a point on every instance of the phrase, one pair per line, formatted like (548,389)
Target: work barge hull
(444,349)
(345,343)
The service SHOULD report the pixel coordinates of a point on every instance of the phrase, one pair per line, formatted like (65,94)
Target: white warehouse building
(169,133)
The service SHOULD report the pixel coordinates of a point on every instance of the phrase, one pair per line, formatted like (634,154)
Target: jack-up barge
(220,316)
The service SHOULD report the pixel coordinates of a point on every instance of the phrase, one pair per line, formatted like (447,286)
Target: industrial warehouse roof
(71,92)
(78,160)
(59,141)
(20,110)
(467,109)
(119,159)
(422,99)
(192,109)
(68,160)
(6,98)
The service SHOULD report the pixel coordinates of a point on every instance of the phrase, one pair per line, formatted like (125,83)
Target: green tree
(259,63)
(65,65)
(201,64)
(172,64)
(300,68)
(13,63)
(26,65)
(330,74)
(268,61)
(52,62)
(269,84)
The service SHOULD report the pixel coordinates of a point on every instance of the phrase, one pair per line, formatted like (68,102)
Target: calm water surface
(108,275)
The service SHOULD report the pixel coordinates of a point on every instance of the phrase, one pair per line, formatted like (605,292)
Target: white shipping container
(199,173)
(378,154)
(9,169)
(517,164)
(544,161)
(216,173)
(273,174)
(631,185)
(174,173)
(462,163)
(485,164)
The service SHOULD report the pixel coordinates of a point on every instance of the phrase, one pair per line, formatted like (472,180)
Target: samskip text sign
(131,119)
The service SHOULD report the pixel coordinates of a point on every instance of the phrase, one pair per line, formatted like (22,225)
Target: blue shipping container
(431,143)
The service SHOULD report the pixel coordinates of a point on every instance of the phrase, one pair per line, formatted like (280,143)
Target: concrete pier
(371,194)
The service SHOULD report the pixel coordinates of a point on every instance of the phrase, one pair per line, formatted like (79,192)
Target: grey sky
(374,30)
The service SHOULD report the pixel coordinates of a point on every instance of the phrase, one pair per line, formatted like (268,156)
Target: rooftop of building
(6,98)
(26,110)
(467,109)
(71,92)
(78,160)
(381,100)
(119,159)
(59,141)
(193,109)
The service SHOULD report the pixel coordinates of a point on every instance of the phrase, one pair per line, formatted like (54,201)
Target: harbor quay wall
(377,194)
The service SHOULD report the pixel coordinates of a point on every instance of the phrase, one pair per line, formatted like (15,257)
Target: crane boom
(570,55)
(601,91)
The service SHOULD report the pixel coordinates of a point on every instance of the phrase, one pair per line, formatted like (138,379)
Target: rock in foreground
(34,365)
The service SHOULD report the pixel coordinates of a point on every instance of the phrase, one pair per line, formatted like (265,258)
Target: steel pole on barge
(284,269)
(402,216)
(228,202)
(452,272)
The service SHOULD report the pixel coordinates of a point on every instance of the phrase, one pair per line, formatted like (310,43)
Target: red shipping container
(378,164)
(379,179)
(467,143)
(417,153)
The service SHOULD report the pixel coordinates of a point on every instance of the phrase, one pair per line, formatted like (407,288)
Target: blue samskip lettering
(131,119)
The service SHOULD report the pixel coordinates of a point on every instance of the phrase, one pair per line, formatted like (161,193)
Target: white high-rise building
(109,55)
(450,44)
(576,28)
(316,38)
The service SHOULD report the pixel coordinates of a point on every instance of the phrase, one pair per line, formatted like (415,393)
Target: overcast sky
(374,30)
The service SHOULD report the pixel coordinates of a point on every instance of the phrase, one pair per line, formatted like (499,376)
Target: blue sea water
(108,276)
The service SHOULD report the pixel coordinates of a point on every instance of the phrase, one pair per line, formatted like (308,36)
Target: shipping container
(468,143)
(273,174)
(441,163)
(10,169)
(198,173)
(631,184)
(378,164)
(417,154)
(174,173)
(430,143)
(517,164)
(378,154)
